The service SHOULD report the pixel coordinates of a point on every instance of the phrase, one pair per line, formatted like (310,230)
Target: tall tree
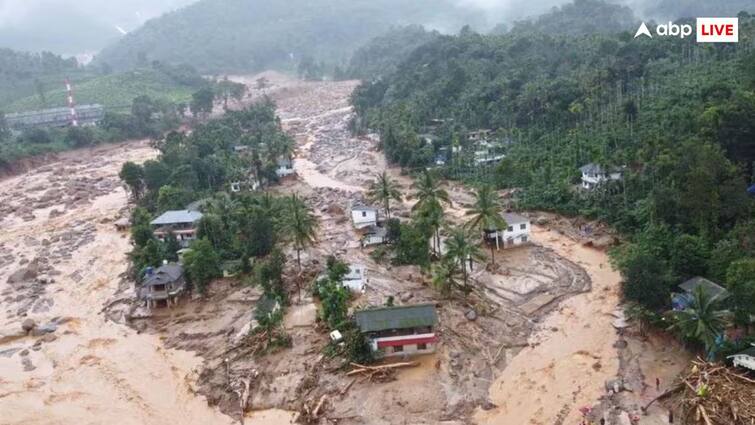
(703,321)
(463,251)
(300,225)
(429,207)
(384,190)
(486,214)
(202,264)
(133,175)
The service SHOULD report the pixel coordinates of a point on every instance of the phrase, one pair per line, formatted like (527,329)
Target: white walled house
(285,167)
(374,236)
(517,231)
(356,278)
(594,174)
(363,216)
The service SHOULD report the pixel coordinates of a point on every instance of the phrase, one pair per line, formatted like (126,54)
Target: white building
(516,233)
(375,236)
(363,216)
(356,278)
(594,174)
(285,167)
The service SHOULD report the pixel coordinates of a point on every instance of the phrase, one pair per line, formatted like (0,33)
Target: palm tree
(430,197)
(444,277)
(428,190)
(300,225)
(486,213)
(461,249)
(384,190)
(702,320)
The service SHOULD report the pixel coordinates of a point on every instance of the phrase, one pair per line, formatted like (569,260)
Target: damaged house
(162,287)
(396,331)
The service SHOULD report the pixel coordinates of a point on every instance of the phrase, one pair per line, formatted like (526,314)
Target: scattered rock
(488,405)
(28,325)
(471,315)
(406,296)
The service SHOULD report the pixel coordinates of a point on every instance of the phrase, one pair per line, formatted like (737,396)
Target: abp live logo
(709,30)
(717,30)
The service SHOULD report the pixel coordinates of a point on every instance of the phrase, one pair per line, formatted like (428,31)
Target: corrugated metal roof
(709,287)
(177,217)
(403,317)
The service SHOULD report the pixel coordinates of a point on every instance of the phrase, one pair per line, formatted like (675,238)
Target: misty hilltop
(248,35)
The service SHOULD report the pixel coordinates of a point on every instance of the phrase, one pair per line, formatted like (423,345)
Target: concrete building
(363,216)
(285,167)
(397,331)
(374,235)
(162,287)
(181,223)
(356,278)
(517,232)
(594,174)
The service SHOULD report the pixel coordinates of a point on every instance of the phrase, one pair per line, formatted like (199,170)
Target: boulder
(28,325)
(406,296)
(471,315)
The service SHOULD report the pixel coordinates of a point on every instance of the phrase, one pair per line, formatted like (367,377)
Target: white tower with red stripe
(71,104)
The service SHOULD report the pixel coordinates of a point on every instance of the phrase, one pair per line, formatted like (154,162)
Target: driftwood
(712,394)
(382,370)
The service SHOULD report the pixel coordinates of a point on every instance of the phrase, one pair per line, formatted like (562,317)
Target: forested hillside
(250,35)
(678,117)
(381,55)
(24,74)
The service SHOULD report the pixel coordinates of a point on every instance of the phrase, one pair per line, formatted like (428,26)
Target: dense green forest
(25,74)
(381,56)
(678,116)
(253,35)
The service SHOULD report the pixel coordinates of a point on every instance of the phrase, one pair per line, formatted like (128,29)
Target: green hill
(249,35)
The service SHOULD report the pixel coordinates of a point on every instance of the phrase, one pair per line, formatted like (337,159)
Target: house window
(422,346)
(364,213)
(398,348)
(524,238)
(523,226)
(511,228)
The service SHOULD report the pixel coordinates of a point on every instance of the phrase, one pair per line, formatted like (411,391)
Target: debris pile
(713,394)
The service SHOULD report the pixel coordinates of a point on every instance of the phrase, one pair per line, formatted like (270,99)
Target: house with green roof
(402,330)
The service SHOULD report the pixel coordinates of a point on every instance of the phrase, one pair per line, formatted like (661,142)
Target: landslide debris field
(531,344)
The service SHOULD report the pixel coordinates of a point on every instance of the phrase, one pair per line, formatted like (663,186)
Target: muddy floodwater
(544,349)
(60,261)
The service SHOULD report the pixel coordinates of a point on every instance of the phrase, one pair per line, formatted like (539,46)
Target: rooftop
(709,287)
(593,168)
(177,217)
(359,207)
(403,317)
(165,274)
(512,219)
